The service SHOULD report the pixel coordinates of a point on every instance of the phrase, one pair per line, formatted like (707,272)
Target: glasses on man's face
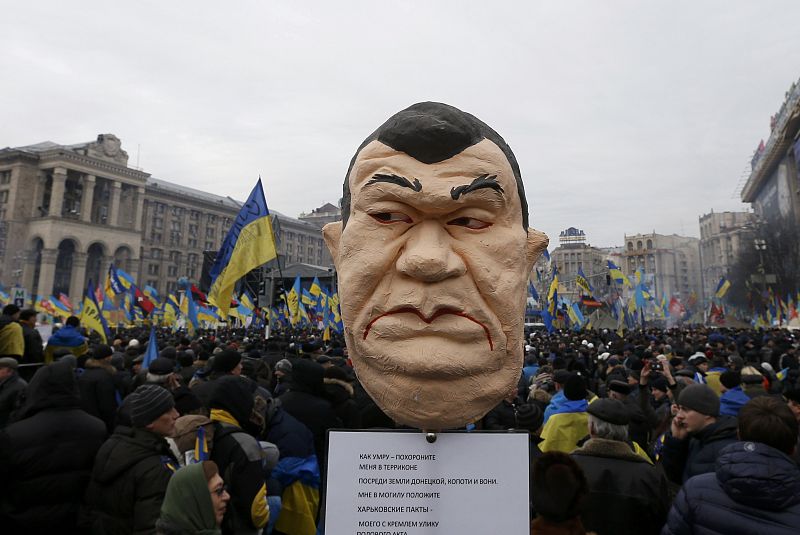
(220,490)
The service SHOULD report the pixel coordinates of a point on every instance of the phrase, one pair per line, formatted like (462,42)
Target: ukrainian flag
(293,300)
(91,316)
(722,288)
(583,282)
(300,478)
(248,244)
(617,274)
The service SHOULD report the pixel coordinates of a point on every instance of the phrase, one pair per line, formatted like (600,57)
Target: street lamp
(761,246)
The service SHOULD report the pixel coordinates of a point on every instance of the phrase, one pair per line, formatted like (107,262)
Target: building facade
(723,235)
(773,187)
(671,263)
(67,211)
(574,253)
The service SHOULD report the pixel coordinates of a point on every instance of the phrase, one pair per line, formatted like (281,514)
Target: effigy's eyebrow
(395,179)
(483,181)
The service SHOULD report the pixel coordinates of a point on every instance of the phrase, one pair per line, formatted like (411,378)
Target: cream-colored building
(671,263)
(723,235)
(574,253)
(67,211)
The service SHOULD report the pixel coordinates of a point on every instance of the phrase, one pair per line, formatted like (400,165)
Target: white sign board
(396,483)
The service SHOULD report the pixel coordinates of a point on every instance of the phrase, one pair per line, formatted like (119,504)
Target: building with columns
(67,211)
(671,263)
(574,253)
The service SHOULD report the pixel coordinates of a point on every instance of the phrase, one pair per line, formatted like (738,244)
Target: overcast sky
(625,117)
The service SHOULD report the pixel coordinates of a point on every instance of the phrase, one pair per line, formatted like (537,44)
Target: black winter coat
(340,394)
(503,417)
(698,454)
(46,457)
(755,489)
(129,481)
(627,495)
(292,437)
(98,391)
(34,349)
(9,390)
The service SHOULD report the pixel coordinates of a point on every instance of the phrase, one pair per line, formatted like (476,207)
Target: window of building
(649,244)
(209,245)
(158,223)
(172,287)
(638,245)
(175,256)
(4,196)
(155,254)
(174,238)
(193,243)
(226,222)
(194,215)
(177,211)
(289,247)
(5,177)
(212,219)
(160,208)
(630,246)
(2,215)
(152,282)
(302,238)
(153,269)
(191,259)
(192,230)
(172,271)
(175,226)
(210,232)
(310,252)
(299,258)
(155,237)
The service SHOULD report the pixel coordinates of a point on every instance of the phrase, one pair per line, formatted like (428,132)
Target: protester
(697,435)
(12,341)
(46,456)
(733,397)
(238,454)
(567,426)
(98,391)
(227,362)
(195,502)
(134,465)
(559,491)
(627,494)
(34,348)
(755,487)
(11,384)
(67,337)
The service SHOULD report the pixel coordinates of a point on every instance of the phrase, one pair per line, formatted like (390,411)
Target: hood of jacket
(610,449)
(759,476)
(307,376)
(53,386)
(337,390)
(130,446)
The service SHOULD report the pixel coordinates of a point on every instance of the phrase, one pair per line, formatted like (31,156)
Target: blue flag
(152,350)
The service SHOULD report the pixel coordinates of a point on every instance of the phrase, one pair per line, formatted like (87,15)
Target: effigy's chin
(435,381)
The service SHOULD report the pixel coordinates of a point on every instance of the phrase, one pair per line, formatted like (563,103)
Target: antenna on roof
(138,151)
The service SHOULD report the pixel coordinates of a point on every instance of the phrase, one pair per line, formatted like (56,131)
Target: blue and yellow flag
(293,300)
(248,244)
(91,316)
(583,282)
(722,288)
(617,275)
(189,310)
(201,445)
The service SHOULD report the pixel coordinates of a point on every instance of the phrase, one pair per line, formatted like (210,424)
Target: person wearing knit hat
(733,397)
(228,361)
(697,434)
(133,467)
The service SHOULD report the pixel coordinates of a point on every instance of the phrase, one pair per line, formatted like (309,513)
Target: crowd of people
(659,431)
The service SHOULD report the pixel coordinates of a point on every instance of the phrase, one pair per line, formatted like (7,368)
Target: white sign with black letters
(396,483)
